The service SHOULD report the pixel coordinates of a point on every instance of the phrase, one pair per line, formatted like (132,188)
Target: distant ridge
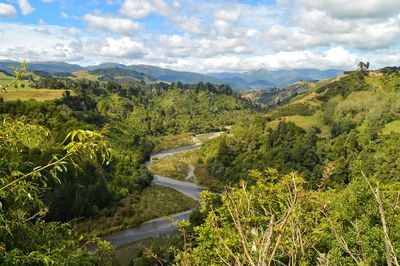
(255,79)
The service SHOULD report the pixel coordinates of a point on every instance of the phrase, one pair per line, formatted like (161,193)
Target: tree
(363,67)
(259,225)
(25,238)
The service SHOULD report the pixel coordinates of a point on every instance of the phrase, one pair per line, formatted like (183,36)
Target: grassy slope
(82,74)
(306,122)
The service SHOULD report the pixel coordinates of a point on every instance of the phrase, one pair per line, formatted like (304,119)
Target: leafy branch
(19,74)
(78,142)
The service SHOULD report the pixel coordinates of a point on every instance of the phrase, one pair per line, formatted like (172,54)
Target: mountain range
(261,78)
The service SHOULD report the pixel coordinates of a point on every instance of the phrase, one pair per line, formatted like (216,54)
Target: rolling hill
(261,78)
(366,102)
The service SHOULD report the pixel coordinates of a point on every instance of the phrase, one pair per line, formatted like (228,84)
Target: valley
(142,152)
(197,133)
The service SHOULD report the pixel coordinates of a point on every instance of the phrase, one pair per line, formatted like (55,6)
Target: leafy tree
(25,238)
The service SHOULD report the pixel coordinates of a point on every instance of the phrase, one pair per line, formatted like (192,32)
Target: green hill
(352,101)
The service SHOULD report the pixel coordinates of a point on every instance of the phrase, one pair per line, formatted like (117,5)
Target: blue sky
(203,36)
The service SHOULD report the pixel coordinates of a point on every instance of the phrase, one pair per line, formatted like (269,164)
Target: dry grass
(204,179)
(27,94)
(175,166)
(173,141)
(171,167)
(153,202)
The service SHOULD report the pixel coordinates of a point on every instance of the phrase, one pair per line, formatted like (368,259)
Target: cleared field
(27,94)
(305,122)
(81,74)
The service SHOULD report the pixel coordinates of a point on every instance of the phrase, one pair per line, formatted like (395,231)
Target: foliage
(286,148)
(277,221)
(25,238)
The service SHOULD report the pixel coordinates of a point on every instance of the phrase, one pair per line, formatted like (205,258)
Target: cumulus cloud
(209,36)
(356,9)
(25,7)
(7,11)
(116,25)
(123,47)
(359,35)
(138,9)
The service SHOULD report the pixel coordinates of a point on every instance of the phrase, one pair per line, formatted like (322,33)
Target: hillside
(353,101)
(276,96)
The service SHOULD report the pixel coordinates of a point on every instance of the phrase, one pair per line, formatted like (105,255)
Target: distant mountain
(50,67)
(256,79)
(175,76)
(263,78)
(163,74)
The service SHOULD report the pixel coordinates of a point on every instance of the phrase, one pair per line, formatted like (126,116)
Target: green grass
(305,122)
(153,202)
(27,94)
(81,74)
(138,253)
(392,127)
(5,80)
(173,141)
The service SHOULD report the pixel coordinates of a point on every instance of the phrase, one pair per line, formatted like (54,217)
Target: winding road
(168,224)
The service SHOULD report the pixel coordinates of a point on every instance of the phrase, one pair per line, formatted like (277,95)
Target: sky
(203,35)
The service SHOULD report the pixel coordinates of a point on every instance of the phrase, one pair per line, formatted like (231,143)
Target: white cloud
(64,15)
(47,1)
(364,35)
(7,11)
(223,35)
(123,47)
(138,9)
(25,7)
(356,9)
(116,25)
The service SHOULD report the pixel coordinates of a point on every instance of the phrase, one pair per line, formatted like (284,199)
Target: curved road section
(162,225)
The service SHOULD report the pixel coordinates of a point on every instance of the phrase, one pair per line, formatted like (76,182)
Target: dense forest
(314,180)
